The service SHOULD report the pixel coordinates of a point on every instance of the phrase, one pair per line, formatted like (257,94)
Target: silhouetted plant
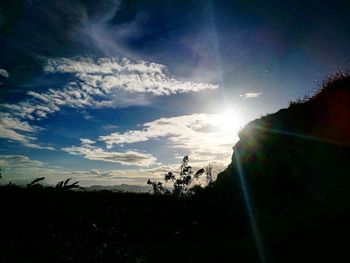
(169,177)
(182,183)
(157,187)
(35,182)
(299,101)
(199,173)
(64,185)
(209,174)
(337,80)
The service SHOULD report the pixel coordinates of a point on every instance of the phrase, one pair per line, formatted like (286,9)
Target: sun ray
(248,204)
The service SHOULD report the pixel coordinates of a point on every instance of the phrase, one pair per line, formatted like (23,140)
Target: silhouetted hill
(296,167)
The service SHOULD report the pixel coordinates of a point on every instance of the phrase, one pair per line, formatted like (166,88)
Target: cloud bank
(91,152)
(199,134)
(106,82)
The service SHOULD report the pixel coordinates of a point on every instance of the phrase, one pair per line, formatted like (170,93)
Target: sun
(228,121)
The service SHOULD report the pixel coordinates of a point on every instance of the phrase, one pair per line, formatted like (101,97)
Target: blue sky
(118,91)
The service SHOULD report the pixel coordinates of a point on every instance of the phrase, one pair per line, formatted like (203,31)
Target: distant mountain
(120,188)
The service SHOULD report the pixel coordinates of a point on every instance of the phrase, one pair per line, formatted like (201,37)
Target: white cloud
(8,121)
(107,82)
(199,134)
(250,95)
(18,161)
(86,141)
(37,146)
(51,101)
(10,128)
(4,73)
(110,75)
(129,157)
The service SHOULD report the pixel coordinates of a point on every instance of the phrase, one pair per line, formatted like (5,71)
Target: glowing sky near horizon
(118,91)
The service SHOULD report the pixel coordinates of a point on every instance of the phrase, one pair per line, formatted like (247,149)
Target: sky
(112,92)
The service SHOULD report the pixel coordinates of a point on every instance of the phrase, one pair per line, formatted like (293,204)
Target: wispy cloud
(91,152)
(107,82)
(10,128)
(20,168)
(41,105)
(18,161)
(86,141)
(199,134)
(250,95)
(4,73)
(110,75)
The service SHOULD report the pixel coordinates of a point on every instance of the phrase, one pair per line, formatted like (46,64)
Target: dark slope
(296,163)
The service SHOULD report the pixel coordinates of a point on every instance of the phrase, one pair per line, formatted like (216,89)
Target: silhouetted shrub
(64,185)
(35,182)
(183,183)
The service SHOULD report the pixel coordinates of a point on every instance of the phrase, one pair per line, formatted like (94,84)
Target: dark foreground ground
(55,226)
(51,225)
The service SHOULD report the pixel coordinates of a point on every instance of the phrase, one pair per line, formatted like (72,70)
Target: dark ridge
(296,164)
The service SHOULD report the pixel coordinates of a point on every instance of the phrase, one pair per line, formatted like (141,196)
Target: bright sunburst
(228,121)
